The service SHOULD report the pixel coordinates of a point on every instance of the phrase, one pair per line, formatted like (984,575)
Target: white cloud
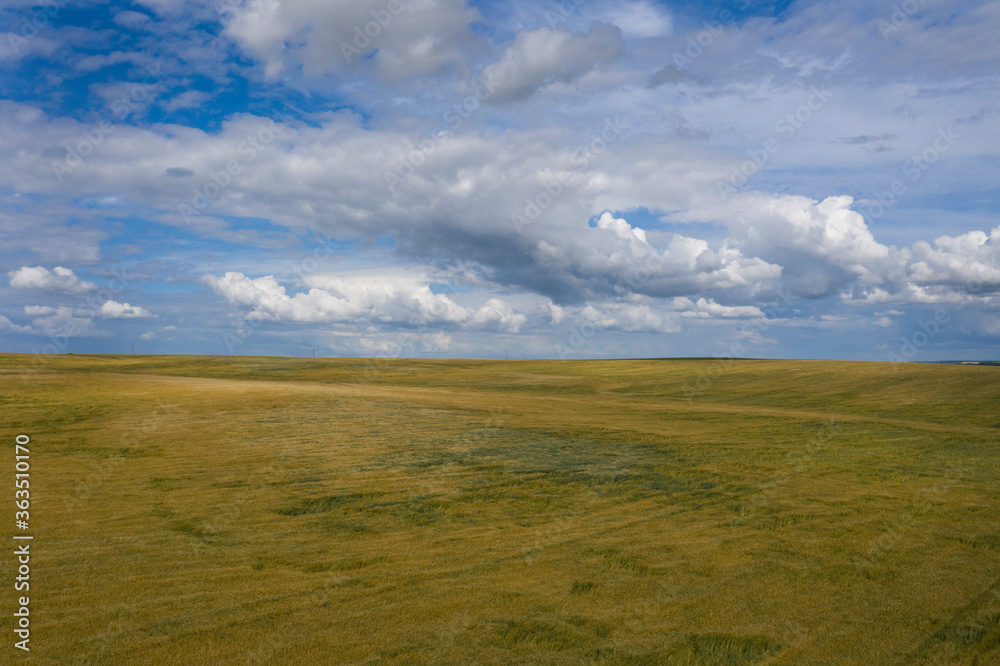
(115,310)
(555,313)
(826,248)
(543,56)
(629,318)
(270,301)
(378,299)
(391,297)
(969,259)
(821,246)
(497,315)
(803,231)
(8,325)
(960,269)
(58,279)
(622,229)
(615,258)
(441,342)
(708,308)
(149,335)
(60,322)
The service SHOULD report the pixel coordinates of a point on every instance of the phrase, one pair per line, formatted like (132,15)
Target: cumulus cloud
(540,57)
(629,318)
(58,279)
(116,310)
(374,299)
(496,314)
(970,259)
(825,248)
(656,316)
(615,258)
(270,301)
(951,269)
(822,246)
(707,308)
(555,313)
(622,229)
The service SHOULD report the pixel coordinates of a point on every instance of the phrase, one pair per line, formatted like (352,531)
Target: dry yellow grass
(262,510)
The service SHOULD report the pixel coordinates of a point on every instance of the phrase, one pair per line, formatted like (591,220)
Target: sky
(451,178)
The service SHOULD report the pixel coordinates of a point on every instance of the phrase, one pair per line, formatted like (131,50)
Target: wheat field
(252,510)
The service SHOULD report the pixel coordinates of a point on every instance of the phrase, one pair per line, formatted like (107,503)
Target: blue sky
(471,179)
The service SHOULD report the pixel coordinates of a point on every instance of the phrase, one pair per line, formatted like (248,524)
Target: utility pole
(133,348)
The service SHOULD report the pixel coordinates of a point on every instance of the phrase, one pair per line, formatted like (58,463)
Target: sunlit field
(229,510)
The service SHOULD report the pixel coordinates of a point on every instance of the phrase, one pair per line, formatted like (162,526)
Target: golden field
(250,510)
